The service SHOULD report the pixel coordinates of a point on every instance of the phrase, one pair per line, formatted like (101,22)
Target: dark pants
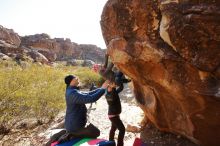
(88,132)
(117,124)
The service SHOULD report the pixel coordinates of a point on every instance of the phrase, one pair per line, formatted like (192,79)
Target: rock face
(170,49)
(56,49)
(9,37)
(62,49)
(90,52)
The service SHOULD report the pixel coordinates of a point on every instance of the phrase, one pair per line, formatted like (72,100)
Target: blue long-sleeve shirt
(76,109)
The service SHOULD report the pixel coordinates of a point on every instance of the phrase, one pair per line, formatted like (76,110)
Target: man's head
(71,80)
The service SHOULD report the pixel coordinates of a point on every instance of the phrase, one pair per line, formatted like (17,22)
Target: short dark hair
(68,79)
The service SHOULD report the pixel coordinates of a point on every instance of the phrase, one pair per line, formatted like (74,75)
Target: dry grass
(35,91)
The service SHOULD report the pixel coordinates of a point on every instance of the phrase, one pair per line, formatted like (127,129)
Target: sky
(78,20)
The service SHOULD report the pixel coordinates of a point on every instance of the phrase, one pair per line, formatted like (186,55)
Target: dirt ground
(131,115)
(153,137)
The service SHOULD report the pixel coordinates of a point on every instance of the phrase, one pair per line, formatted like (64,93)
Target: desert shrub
(36,90)
(87,76)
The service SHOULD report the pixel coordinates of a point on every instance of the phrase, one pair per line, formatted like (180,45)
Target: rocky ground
(131,115)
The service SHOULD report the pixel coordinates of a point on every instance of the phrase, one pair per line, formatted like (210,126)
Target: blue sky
(78,20)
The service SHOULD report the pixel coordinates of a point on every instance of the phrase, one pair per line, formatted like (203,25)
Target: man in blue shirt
(76,111)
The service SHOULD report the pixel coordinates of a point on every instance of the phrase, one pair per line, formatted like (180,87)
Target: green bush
(87,77)
(36,90)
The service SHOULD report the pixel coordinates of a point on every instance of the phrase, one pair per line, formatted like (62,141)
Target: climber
(106,71)
(114,110)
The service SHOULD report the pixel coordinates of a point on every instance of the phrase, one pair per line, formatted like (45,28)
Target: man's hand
(105,84)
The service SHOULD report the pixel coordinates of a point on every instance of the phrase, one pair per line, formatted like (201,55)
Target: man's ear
(73,82)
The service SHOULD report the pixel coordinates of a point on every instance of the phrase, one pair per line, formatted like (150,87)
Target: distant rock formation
(57,49)
(90,52)
(9,37)
(62,48)
(170,49)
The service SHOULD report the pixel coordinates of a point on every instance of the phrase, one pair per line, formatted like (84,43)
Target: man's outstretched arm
(83,98)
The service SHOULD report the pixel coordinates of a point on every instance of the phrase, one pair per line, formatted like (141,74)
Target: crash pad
(85,142)
(139,142)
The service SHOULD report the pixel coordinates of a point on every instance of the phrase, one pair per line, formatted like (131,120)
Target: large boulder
(170,49)
(8,37)
(7,50)
(4,57)
(38,57)
(51,56)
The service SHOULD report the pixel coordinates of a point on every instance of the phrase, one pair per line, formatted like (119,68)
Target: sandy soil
(131,115)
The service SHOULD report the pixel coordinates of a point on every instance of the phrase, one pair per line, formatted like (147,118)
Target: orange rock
(170,49)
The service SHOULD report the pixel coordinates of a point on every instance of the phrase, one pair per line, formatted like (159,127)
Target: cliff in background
(42,48)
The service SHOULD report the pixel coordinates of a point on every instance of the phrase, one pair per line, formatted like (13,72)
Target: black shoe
(64,138)
(55,137)
(126,80)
